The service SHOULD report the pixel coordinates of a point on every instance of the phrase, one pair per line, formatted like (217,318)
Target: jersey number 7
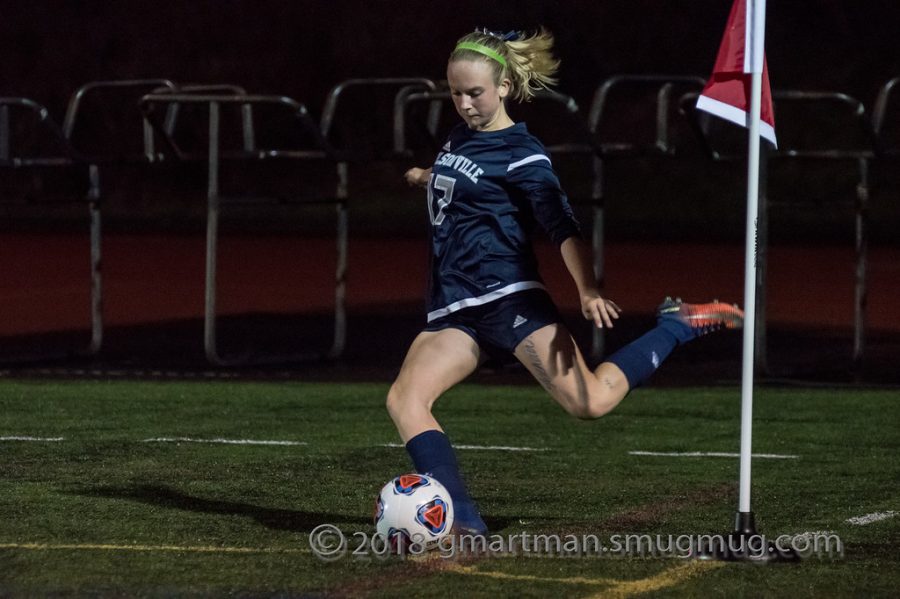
(436,205)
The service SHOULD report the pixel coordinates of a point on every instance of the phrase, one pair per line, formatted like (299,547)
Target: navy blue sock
(640,358)
(432,453)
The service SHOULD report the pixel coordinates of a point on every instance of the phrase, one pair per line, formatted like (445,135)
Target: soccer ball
(413,508)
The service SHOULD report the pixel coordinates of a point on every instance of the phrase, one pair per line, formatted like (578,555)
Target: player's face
(478,100)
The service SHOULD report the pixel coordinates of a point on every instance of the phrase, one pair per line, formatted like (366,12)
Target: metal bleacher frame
(597,152)
(861,156)
(156,127)
(350,155)
(214,97)
(886,148)
(344,156)
(74,156)
(405,87)
(608,150)
(69,158)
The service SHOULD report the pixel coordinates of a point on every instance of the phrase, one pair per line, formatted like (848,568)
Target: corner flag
(739,92)
(727,94)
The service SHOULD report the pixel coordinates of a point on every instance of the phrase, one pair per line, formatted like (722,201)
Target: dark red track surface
(148,278)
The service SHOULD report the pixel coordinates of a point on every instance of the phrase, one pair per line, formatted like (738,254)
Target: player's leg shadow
(277,519)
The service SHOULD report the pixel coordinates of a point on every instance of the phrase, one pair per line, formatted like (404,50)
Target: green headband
(482,49)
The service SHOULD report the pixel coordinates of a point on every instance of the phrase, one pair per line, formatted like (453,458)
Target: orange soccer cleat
(696,320)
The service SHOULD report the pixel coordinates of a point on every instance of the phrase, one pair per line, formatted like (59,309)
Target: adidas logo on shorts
(519,321)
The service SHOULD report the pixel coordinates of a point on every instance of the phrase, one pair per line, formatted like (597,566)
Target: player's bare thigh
(439,359)
(436,361)
(553,358)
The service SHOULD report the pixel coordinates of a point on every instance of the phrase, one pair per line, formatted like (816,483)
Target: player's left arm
(554,214)
(576,254)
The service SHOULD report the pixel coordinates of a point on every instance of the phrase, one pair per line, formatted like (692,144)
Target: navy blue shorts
(498,327)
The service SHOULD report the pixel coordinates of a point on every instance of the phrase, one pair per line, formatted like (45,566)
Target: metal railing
(607,149)
(435,101)
(172,115)
(320,151)
(663,109)
(404,86)
(135,88)
(856,125)
(161,113)
(888,148)
(69,158)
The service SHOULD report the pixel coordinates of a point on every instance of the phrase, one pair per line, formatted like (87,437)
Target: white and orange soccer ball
(413,508)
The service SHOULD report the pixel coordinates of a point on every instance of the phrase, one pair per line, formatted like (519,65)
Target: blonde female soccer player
(488,187)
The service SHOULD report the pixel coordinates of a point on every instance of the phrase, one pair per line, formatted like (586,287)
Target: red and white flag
(727,94)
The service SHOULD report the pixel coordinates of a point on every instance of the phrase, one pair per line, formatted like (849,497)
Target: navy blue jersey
(488,190)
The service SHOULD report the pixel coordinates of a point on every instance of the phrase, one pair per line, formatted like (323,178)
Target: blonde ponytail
(528,62)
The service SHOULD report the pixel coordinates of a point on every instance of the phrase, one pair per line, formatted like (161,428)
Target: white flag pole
(741,541)
(756,17)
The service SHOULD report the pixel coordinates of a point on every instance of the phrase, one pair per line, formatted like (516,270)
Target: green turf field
(95,508)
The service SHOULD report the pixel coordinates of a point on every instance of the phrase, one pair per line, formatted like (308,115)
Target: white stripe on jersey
(524,161)
(483,299)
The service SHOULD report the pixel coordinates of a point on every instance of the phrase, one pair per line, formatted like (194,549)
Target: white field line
(713,454)
(870,518)
(481,447)
(34,439)
(811,535)
(120,373)
(221,441)
(176,548)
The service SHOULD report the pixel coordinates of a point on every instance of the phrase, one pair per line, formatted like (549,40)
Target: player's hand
(417,177)
(601,311)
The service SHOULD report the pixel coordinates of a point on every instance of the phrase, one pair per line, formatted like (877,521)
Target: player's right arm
(417,177)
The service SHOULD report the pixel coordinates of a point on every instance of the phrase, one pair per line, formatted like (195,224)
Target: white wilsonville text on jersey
(461,164)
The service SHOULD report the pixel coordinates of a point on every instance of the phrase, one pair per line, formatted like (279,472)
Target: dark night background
(301,48)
